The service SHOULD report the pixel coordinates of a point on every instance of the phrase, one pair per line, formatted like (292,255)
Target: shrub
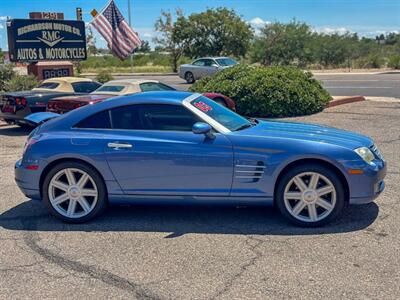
(21,83)
(268,92)
(394,62)
(104,76)
(6,73)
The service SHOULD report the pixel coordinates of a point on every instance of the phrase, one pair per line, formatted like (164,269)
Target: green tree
(334,50)
(167,40)
(6,74)
(214,32)
(283,44)
(91,42)
(144,47)
(1,56)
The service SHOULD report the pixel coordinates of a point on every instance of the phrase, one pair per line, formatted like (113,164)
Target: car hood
(308,132)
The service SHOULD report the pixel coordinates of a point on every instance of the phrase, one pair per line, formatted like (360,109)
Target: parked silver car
(205,66)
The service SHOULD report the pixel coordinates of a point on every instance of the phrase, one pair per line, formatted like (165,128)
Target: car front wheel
(310,195)
(74,192)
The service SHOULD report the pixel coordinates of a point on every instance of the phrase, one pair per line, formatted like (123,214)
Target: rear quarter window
(98,120)
(49,85)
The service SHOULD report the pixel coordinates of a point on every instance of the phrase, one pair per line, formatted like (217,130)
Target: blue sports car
(181,147)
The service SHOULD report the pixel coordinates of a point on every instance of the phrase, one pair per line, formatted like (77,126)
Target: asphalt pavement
(206,252)
(351,84)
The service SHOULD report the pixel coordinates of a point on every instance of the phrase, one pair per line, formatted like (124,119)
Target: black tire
(9,122)
(102,192)
(329,174)
(189,77)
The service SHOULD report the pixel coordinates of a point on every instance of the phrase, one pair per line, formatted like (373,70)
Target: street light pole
(130,25)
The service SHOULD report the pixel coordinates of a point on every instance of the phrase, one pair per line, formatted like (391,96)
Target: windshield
(110,88)
(221,114)
(226,62)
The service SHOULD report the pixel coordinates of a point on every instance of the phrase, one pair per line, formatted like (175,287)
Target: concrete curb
(383,99)
(344,100)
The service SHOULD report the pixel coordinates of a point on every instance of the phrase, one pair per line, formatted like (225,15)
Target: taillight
(20,101)
(79,104)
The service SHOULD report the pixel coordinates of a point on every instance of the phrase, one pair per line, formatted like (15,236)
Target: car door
(198,68)
(210,67)
(151,150)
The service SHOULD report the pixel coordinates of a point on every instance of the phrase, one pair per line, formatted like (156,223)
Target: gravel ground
(206,252)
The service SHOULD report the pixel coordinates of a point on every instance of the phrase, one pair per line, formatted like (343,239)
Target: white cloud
(3,18)
(333,30)
(258,22)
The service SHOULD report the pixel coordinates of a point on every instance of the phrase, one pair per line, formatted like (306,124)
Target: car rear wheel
(189,77)
(74,192)
(310,195)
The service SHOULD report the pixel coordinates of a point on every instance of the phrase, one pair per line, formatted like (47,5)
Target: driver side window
(199,63)
(153,117)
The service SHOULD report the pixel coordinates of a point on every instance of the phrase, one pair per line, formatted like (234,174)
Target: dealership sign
(40,39)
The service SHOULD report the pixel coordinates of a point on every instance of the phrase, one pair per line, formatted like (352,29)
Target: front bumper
(368,186)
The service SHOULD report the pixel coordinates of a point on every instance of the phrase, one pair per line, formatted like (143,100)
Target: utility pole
(130,25)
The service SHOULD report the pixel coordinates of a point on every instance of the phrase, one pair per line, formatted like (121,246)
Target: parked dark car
(15,106)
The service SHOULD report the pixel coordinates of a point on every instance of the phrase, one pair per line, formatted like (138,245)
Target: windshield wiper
(244,126)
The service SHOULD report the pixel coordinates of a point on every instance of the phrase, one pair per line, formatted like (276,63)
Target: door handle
(116,145)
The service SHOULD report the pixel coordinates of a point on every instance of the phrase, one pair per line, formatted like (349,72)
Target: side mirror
(203,128)
(214,65)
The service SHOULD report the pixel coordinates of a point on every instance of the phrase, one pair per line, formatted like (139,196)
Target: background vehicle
(16,106)
(114,88)
(206,66)
(182,147)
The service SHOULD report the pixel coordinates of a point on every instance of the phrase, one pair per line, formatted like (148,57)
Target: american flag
(121,39)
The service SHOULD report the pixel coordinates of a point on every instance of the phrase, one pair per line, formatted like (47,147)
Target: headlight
(365,154)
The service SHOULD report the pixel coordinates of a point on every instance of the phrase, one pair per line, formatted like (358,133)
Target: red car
(115,88)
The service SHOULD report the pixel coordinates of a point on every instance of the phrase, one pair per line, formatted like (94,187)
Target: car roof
(68,120)
(212,57)
(170,97)
(68,79)
(130,81)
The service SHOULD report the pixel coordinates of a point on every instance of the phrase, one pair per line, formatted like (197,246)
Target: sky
(366,17)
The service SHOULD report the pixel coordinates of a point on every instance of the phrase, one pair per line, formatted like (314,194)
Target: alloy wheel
(189,77)
(73,193)
(310,197)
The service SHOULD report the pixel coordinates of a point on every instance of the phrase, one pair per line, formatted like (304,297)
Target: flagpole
(130,25)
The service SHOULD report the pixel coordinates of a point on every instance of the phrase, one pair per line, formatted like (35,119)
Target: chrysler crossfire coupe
(180,147)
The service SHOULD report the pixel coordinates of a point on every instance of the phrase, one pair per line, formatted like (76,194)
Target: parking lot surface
(206,252)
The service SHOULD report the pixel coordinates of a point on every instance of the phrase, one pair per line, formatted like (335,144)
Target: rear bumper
(19,115)
(28,180)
